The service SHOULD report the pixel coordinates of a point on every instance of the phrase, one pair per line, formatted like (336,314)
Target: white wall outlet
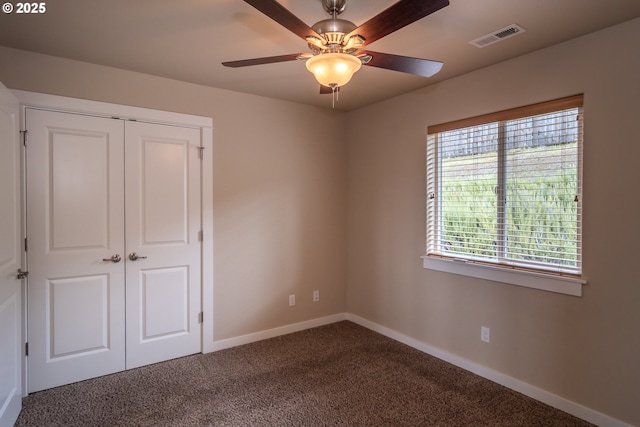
(316,296)
(292,300)
(485,334)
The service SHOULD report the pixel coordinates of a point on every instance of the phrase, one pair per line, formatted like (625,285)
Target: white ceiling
(188,39)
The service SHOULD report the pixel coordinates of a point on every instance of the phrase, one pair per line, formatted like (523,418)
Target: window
(504,190)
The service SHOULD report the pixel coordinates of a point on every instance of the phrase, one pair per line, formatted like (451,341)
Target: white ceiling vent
(498,35)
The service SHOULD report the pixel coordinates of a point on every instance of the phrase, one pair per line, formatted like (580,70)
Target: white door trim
(105,109)
(205,124)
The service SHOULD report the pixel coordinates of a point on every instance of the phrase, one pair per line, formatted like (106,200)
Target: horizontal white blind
(508,191)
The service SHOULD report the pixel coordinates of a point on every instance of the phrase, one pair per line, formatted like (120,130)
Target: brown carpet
(339,374)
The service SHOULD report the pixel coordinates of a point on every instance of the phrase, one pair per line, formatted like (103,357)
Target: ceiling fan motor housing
(333,31)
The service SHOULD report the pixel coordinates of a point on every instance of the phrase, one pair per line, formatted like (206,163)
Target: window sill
(529,279)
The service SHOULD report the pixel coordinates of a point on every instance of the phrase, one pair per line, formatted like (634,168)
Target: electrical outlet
(316,296)
(292,300)
(485,334)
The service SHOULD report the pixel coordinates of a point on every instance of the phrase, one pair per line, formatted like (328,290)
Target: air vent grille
(498,35)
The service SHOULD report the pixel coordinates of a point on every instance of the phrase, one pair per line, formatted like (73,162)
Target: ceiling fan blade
(284,17)
(260,61)
(404,64)
(395,17)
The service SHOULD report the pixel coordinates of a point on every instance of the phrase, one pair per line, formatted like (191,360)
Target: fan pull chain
(334,93)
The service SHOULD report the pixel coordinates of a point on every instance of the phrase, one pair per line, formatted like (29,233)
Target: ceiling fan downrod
(334,7)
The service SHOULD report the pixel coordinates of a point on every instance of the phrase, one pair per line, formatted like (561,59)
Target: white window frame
(569,284)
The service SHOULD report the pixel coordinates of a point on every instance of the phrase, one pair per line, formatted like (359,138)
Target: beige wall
(279,195)
(584,349)
(305,198)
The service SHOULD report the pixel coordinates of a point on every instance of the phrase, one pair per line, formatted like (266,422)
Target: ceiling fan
(337,44)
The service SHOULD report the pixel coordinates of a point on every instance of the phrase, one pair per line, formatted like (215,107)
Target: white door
(163,249)
(10,260)
(113,213)
(75,232)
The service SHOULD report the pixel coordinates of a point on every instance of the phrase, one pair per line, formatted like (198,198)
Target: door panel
(69,338)
(164,187)
(163,221)
(79,197)
(75,224)
(11,354)
(162,289)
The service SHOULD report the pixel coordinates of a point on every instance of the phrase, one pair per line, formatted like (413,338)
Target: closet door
(163,249)
(75,231)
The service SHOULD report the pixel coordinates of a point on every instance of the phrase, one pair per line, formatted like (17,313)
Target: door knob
(134,256)
(114,258)
(22,274)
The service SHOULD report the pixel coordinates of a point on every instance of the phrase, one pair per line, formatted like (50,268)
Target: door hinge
(25,244)
(26,349)
(201,152)
(24,137)
(200,236)
(201,317)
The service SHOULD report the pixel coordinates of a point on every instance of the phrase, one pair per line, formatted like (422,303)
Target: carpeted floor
(339,374)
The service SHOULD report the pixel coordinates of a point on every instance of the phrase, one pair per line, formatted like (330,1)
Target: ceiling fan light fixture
(333,69)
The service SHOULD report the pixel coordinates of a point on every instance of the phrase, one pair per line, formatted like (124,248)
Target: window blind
(506,188)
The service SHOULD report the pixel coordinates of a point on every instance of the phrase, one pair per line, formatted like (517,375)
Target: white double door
(113,222)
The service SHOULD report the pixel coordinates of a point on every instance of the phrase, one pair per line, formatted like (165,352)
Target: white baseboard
(536,393)
(272,333)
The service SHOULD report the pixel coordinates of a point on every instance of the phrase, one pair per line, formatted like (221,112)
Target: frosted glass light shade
(333,69)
